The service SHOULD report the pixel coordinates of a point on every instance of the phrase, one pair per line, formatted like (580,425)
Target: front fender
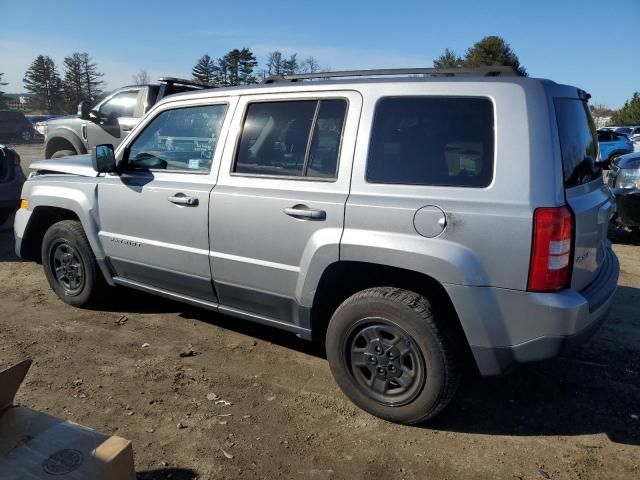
(75,194)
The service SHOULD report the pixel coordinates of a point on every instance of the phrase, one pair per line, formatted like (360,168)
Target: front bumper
(506,327)
(627,207)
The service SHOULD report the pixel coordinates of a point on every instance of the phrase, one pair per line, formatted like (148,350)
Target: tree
(274,63)
(3,101)
(236,68)
(92,78)
(205,71)
(492,51)
(43,81)
(290,65)
(141,78)
(73,82)
(629,114)
(310,65)
(448,59)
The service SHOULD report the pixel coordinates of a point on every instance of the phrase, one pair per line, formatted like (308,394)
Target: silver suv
(411,223)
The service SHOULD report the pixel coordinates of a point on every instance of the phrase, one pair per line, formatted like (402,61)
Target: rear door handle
(182,199)
(302,211)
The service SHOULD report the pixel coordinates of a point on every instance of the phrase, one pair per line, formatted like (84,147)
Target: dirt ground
(576,417)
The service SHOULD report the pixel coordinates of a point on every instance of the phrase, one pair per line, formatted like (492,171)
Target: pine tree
(448,59)
(492,51)
(629,114)
(43,81)
(92,78)
(3,102)
(236,68)
(205,71)
(290,65)
(73,82)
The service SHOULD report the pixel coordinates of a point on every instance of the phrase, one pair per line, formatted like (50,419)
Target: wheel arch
(61,140)
(342,279)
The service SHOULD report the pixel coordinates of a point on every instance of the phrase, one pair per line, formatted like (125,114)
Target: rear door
(587,195)
(279,201)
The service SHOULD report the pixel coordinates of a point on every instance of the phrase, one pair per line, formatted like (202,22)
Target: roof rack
(434,72)
(169,81)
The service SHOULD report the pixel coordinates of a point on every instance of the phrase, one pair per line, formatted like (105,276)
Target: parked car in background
(624,182)
(635,139)
(612,145)
(405,222)
(11,181)
(109,121)
(14,125)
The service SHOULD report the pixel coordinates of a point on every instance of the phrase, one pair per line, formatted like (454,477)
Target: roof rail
(182,81)
(435,72)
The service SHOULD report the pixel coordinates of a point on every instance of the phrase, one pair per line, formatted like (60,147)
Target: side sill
(303,333)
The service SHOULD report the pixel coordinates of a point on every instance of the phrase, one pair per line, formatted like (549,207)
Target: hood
(74,165)
(64,119)
(629,161)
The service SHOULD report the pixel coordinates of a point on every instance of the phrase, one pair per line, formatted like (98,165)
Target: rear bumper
(11,188)
(507,327)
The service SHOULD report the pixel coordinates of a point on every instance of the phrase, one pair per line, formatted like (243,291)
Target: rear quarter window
(578,141)
(439,141)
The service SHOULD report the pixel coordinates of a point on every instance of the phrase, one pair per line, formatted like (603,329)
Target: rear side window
(578,141)
(442,141)
(291,138)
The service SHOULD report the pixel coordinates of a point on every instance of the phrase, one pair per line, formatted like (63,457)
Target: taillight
(551,249)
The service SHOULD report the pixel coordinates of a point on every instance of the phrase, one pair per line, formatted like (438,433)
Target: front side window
(120,105)
(440,141)
(182,139)
(291,138)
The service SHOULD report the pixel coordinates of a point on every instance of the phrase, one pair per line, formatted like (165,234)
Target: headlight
(628,178)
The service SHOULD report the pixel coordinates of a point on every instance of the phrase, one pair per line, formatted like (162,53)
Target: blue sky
(585,43)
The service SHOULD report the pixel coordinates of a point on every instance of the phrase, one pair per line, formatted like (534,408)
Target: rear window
(440,141)
(578,141)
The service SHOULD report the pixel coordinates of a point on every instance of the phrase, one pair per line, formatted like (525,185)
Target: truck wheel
(391,357)
(63,153)
(70,265)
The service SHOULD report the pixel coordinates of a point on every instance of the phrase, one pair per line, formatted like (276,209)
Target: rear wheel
(70,266)
(63,153)
(390,356)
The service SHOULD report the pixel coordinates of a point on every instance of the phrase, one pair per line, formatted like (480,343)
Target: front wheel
(26,135)
(70,265)
(390,356)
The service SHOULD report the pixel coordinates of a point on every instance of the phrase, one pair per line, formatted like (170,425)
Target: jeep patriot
(412,220)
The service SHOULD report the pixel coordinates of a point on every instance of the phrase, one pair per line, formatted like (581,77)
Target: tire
(63,153)
(635,235)
(5,214)
(26,135)
(401,326)
(65,249)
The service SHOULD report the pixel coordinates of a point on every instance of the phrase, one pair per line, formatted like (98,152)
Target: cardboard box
(36,446)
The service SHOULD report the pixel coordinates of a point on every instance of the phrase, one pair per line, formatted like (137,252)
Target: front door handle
(302,211)
(182,199)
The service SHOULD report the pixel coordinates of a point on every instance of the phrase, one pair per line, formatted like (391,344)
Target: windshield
(578,141)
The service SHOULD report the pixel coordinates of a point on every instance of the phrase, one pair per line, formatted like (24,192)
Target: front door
(278,208)
(114,118)
(154,215)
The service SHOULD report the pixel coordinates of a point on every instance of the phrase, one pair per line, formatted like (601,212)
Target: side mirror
(103,158)
(83,111)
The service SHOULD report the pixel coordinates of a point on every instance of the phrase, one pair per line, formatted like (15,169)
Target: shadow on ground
(167,473)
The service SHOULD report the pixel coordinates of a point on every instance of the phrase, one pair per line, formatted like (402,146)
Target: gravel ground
(576,417)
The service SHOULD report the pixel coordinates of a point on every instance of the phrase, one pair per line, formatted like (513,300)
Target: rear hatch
(586,194)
